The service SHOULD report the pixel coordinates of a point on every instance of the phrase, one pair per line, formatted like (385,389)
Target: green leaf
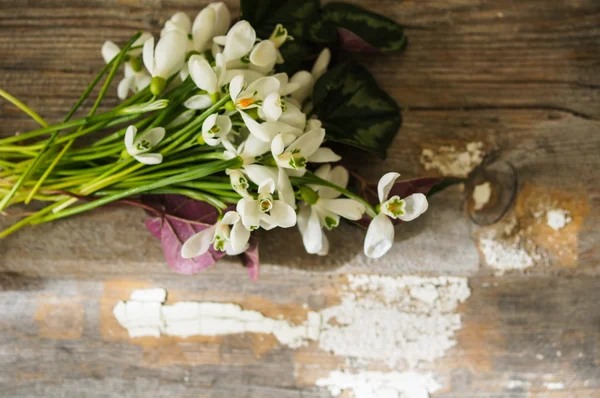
(362,30)
(355,110)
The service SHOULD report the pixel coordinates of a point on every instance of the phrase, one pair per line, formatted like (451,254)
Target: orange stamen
(246,102)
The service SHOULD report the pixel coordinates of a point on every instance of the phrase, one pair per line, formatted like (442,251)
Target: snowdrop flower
(249,150)
(213,20)
(324,208)
(166,60)
(215,128)
(306,80)
(263,57)
(140,146)
(238,42)
(227,235)
(179,22)
(305,148)
(265,211)
(136,78)
(380,235)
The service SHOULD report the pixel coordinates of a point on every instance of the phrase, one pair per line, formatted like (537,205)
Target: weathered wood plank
(533,330)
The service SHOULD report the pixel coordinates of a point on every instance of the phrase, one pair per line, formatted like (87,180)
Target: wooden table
(521,78)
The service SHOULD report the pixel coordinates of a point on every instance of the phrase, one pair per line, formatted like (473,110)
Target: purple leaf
(350,41)
(180,218)
(250,258)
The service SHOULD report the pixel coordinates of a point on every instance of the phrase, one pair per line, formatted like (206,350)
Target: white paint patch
(557,219)
(380,385)
(148,317)
(517,384)
(398,321)
(505,256)
(554,386)
(451,162)
(481,195)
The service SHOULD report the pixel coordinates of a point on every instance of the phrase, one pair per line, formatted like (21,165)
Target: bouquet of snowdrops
(227,132)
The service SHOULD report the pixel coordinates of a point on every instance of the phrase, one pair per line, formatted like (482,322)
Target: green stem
(310,178)
(201,171)
(23,107)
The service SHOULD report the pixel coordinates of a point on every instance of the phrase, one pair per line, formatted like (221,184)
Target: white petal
(277,145)
(264,55)
(416,204)
(154,136)
(255,128)
(285,189)
(385,185)
(109,51)
(203,28)
(145,36)
(249,75)
(198,244)
(267,186)
(263,87)
(347,208)
(325,246)
(308,143)
(272,107)
(305,81)
(209,122)
(149,158)
(339,176)
(282,214)
(239,238)
(223,17)
(255,147)
(148,55)
(380,237)
(129,138)
(230,218)
(203,75)
(169,55)
(123,87)
(142,80)
(324,155)
(220,40)
(202,101)
(258,174)
(235,86)
(240,40)
(320,66)
(323,172)
(293,116)
(310,229)
(248,210)
(182,21)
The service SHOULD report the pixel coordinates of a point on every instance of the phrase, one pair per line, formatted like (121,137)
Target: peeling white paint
(554,385)
(557,219)
(185,319)
(380,385)
(505,255)
(397,321)
(451,162)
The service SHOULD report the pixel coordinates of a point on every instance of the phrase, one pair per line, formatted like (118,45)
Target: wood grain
(522,78)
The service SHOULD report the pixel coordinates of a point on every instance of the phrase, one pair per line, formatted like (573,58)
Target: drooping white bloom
(166,60)
(306,148)
(326,209)
(215,128)
(179,22)
(238,42)
(279,37)
(306,80)
(227,235)
(265,211)
(136,78)
(139,146)
(380,235)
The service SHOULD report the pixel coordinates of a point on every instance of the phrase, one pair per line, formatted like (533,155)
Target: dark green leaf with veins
(355,110)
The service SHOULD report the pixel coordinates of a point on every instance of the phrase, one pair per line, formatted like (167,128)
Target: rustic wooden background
(522,77)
